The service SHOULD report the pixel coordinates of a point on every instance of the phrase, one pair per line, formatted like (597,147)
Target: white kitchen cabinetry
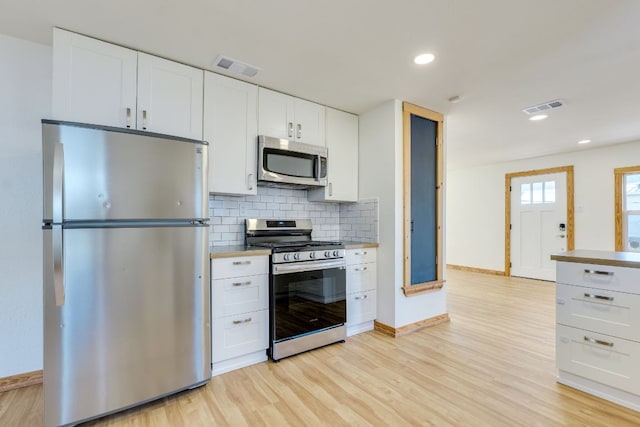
(101,83)
(287,117)
(93,81)
(231,128)
(598,324)
(342,171)
(361,289)
(239,312)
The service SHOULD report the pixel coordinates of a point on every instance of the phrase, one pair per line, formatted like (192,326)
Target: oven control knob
(296,256)
(312,255)
(327,254)
(286,257)
(335,253)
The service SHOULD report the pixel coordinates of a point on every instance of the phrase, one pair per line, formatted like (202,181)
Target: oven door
(307,297)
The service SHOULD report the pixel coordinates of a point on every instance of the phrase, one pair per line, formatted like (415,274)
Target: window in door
(627,209)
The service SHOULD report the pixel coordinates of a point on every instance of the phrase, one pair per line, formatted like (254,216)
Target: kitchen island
(598,324)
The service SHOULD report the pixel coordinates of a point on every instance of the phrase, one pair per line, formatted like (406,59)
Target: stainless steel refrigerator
(126,272)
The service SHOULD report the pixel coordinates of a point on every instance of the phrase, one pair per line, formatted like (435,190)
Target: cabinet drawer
(361,277)
(361,256)
(361,307)
(619,279)
(611,361)
(238,335)
(611,313)
(222,268)
(237,295)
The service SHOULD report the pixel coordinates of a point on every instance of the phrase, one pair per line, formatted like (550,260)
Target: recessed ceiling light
(424,58)
(584,141)
(538,117)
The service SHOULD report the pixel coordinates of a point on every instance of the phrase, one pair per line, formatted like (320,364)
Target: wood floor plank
(492,365)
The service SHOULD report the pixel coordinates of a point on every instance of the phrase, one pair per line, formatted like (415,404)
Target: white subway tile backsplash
(331,221)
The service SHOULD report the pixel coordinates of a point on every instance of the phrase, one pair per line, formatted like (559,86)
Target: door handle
(290,129)
(299,126)
(128,117)
(144,119)
(56,228)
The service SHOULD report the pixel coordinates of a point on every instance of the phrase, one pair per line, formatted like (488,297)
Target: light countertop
(616,259)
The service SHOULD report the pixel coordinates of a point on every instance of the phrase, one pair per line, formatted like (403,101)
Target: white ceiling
(499,55)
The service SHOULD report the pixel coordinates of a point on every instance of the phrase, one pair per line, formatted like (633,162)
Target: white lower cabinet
(598,330)
(239,312)
(361,290)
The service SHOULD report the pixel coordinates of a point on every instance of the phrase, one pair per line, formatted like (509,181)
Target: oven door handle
(296,267)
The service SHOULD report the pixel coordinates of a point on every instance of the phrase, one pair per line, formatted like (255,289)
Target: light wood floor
(492,365)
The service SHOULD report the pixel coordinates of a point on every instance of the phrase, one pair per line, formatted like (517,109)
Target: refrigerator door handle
(58,265)
(58,206)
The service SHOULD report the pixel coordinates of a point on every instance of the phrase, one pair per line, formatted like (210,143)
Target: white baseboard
(611,394)
(220,368)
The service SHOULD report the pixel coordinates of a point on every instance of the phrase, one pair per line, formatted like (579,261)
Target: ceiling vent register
(544,107)
(235,66)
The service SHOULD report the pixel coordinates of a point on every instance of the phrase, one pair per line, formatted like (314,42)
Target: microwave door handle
(318,163)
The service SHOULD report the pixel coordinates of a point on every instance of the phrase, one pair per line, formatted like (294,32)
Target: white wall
(380,176)
(475,203)
(25,88)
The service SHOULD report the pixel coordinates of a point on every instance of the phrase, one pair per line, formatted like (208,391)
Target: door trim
(420,288)
(507,208)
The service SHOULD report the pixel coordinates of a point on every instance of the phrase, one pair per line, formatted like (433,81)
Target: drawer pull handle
(361,253)
(361,269)
(241,262)
(247,320)
(362,297)
(602,273)
(600,342)
(602,297)
(248,282)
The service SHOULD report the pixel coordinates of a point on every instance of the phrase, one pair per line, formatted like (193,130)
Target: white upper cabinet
(342,168)
(284,116)
(93,81)
(231,128)
(169,97)
(101,83)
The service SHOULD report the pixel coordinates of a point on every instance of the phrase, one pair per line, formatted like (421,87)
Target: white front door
(538,224)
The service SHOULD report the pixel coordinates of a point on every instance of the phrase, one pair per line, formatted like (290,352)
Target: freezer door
(110,174)
(134,324)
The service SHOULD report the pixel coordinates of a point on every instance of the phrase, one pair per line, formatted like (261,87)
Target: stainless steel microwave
(284,162)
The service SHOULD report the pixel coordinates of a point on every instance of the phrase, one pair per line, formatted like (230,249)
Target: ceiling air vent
(235,66)
(544,107)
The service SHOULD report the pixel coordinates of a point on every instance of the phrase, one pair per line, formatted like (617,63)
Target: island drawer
(598,357)
(620,279)
(608,312)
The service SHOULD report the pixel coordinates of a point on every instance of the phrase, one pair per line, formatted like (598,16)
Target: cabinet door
(275,114)
(309,122)
(342,171)
(239,335)
(361,307)
(231,128)
(93,81)
(169,97)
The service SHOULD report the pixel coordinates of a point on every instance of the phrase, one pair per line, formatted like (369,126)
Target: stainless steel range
(307,284)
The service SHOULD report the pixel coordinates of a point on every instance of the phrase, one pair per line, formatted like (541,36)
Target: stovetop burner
(291,240)
(294,245)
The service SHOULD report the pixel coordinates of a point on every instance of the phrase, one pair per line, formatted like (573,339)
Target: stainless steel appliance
(307,286)
(126,288)
(284,162)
